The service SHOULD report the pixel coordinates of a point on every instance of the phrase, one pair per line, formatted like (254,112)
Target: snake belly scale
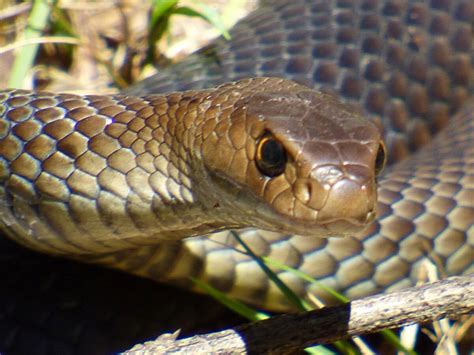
(397,60)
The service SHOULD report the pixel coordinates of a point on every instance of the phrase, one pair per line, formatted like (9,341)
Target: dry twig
(449,298)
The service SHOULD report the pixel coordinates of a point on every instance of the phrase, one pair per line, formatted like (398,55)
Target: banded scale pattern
(95,174)
(408,64)
(54,305)
(86,161)
(426,214)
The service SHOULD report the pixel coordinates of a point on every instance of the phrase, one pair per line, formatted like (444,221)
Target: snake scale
(408,65)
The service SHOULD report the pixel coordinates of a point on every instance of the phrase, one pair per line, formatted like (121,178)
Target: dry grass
(107,54)
(110,42)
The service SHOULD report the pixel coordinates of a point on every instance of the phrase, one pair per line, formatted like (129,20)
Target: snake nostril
(370,216)
(310,193)
(303,191)
(380,159)
(309,187)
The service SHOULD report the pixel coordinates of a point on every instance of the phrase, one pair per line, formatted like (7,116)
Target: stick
(449,298)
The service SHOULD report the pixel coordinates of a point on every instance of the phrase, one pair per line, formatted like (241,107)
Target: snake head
(290,159)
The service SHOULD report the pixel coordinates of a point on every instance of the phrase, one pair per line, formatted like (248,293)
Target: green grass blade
(236,306)
(160,8)
(393,339)
(389,335)
(302,275)
(246,311)
(289,294)
(301,305)
(319,350)
(206,13)
(25,56)
(60,23)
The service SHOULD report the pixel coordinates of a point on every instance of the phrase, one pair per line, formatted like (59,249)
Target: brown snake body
(425,203)
(91,175)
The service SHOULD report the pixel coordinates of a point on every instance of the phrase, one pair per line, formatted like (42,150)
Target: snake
(404,65)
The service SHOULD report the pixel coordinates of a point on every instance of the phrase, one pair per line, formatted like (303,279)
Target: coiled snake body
(396,59)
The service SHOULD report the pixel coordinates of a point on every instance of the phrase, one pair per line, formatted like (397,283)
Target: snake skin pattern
(408,64)
(95,174)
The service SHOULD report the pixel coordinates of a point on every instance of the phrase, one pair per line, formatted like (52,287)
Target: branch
(449,298)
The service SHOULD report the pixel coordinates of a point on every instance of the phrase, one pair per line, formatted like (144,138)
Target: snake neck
(98,174)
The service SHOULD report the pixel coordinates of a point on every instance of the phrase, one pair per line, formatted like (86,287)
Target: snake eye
(271,156)
(380,159)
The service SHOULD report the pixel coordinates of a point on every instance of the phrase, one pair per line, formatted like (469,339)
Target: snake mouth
(335,227)
(337,218)
(349,227)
